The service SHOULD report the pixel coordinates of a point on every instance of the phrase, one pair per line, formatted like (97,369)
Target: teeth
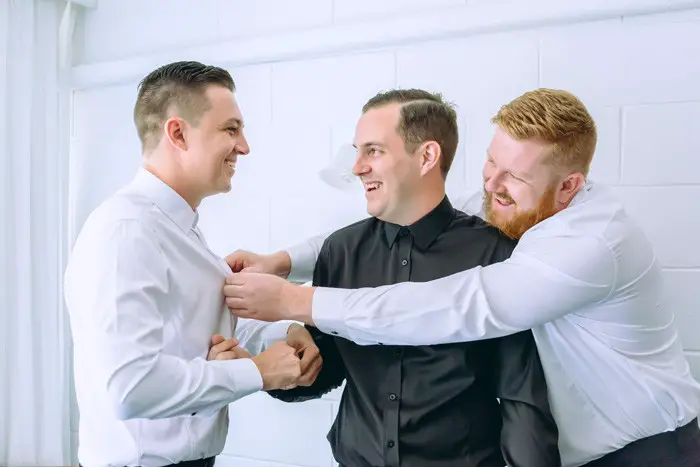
(372,185)
(231,164)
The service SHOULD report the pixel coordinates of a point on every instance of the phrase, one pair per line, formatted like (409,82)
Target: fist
(279,367)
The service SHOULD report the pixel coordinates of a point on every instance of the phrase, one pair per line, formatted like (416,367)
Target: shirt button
(397,352)
(392,397)
(390,444)
(404,262)
(403,231)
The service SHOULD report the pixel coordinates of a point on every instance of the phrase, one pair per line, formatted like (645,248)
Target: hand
(267,298)
(301,340)
(279,366)
(225,349)
(278,264)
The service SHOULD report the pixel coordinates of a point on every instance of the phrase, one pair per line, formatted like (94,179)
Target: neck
(420,204)
(172,175)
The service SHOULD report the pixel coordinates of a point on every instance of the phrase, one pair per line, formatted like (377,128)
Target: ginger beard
(515,225)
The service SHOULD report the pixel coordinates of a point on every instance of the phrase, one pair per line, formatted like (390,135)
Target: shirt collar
(426,229)
(166,199)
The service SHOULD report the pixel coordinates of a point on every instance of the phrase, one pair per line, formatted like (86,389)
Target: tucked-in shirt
(589,285)
(435,405)
(145,296)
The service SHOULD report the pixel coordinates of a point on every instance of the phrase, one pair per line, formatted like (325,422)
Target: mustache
(504,196)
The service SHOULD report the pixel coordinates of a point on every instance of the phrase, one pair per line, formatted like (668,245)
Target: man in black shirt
(426,406)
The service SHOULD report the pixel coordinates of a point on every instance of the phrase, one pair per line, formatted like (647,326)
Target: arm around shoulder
(545,279)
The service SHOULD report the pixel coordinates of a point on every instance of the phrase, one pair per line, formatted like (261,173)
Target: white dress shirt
(589,285)
(145,296)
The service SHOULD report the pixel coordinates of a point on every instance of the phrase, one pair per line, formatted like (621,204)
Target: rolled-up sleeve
(546,277)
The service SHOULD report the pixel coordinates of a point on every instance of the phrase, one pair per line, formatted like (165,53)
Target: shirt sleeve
(256,336)
(546,277)
(332,372)
(118,292)
(529,436)
(303,258)
(471,202)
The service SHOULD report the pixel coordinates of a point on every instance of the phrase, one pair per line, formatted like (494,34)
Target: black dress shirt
(429,406)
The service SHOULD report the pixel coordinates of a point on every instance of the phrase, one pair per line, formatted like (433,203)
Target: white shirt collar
(166,199)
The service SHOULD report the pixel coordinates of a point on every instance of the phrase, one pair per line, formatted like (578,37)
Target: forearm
(523,292)
(163,386)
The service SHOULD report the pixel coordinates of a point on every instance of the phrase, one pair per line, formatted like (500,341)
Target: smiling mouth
(230,164)
(372,186)
(502,201)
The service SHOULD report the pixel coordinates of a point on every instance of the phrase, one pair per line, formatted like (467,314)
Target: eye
(373,151)
(233,130)
(510,174)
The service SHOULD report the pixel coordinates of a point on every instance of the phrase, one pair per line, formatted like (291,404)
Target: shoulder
(351,235)
(124,218)
(486,233)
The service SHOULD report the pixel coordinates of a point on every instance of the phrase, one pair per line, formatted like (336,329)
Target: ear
(430,155)
(175,132)
(569,187)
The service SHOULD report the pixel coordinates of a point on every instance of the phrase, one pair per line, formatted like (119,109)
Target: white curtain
(35,364)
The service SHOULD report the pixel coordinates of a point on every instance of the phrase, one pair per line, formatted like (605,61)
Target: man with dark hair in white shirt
(154,371)
(583,277)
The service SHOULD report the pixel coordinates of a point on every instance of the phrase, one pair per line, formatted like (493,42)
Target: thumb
(217,339)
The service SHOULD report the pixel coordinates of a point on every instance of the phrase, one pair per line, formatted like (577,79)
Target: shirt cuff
(327,311)
(244,376)
(303,260)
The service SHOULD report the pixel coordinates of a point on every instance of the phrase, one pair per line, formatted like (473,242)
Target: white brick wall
(640,77)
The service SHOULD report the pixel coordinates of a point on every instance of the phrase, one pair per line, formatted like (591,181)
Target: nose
(242,147)
(492,181)
(360,167)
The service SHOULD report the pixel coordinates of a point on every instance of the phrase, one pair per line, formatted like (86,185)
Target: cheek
(524,197)
(487,171)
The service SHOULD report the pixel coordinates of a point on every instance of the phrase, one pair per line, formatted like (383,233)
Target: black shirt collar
(426,229)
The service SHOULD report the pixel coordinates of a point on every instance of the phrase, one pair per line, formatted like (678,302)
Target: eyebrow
(521,175)
(370,143)
(233,121)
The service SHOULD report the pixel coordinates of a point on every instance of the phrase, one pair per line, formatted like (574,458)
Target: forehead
(378,124)
(525,156)
(223,105)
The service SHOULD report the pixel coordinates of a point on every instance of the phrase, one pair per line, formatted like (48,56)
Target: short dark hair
(425,116)
(179,84)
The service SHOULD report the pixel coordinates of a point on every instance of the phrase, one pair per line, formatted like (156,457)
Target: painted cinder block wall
(302,77)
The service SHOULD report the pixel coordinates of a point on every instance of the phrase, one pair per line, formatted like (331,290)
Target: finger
(237,303)
(234,291)
(224,346)
(239,278)
(228,355)
(216,339)
(235,259)
(236,265)
(307,358)
(309,376)
(243,313)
